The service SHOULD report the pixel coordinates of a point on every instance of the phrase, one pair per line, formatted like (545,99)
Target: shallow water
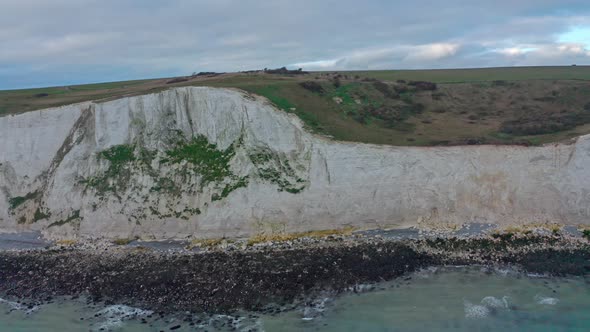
(435,299)
(25,240)
(456,299)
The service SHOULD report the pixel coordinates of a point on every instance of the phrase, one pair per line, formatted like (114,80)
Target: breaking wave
(475,310)
(487,305)
(234,323)
(116,314)
(316,308)
(544,300)
(20,307)
(494,302)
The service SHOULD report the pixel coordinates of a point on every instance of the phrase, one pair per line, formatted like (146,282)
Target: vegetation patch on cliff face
(209,162)
(277,169)
(118,172)
(165,185)
(41,214)
(187,167)
(16,201)
(118,155)
(239,183)
(205,158)
(74,216)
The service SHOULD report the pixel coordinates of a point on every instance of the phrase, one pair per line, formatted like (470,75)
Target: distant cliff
(209,162)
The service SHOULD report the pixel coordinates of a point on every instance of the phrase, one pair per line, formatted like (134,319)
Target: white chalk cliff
(208,162)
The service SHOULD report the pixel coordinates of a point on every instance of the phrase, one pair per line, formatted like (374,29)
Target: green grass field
(521,105)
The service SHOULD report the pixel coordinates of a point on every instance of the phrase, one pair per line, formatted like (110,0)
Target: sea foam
(116,314)
(17,306)
(543,300)
(486,306)
(475,310)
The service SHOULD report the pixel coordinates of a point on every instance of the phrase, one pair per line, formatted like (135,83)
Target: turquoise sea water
(435,299)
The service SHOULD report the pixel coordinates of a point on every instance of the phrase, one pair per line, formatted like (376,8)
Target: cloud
(385,57)
(515,51)
(556,50)
(543,54)
(317,65)
(84,40)
(574,49)
(432,51)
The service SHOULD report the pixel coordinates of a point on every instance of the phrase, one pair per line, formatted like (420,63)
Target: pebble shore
(232,276)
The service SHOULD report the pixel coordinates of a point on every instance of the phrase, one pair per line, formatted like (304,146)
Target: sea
(452,298)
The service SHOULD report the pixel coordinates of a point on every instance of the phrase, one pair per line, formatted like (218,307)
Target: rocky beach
(227,276)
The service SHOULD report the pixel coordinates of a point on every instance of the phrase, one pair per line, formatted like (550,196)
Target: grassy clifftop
(526,105)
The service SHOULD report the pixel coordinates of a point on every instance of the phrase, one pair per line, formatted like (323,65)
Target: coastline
(227,277)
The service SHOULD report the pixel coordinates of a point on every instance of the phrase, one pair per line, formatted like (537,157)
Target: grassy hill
(521,105)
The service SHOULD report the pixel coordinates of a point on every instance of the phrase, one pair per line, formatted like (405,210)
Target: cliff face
(211,162)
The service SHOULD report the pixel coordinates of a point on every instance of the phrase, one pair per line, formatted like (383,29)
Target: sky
(64,42)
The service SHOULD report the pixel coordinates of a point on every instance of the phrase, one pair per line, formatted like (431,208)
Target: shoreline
(225,278)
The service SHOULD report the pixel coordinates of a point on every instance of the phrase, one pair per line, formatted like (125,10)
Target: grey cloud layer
(41,39)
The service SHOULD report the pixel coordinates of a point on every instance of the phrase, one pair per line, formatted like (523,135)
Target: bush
(392,116)
(285,71)
(208,73)
(385,90)
(177,80)
(417,108)
(401,89)
(437,95)
(423,85)
(476,141)
(336,82)
(533,124)
(312,86)
(362,115)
